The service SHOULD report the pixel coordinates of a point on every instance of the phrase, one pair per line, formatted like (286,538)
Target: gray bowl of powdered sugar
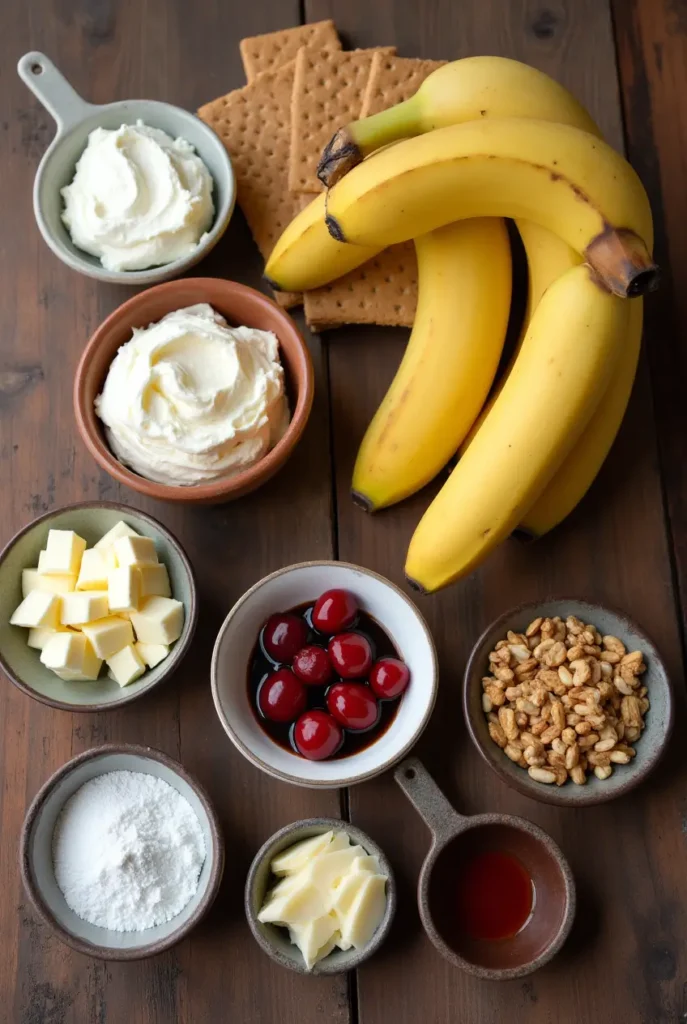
(121,852)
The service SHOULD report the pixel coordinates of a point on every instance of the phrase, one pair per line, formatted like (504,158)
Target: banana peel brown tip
(339,156)
(363,502)
(414,585)
(622,262)
(273,284)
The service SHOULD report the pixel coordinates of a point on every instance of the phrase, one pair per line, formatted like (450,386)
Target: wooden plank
(169,52)
(651,38)
(625,959)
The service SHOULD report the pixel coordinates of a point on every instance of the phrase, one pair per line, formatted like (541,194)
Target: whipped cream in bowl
(139,198)
(131,192)
(189,399)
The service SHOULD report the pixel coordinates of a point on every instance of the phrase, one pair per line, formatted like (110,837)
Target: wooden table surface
(626,960)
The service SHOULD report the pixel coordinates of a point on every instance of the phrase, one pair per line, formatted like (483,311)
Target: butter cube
(155,581)
(135,551)
(159,620)
(152,654)
(72,656)
(120,529)
(29,581)
(55,583)
(109,635)
(126,665)
(84,606)
(93,571)
(40,608)
(39,636)
(62,553)
(124,589)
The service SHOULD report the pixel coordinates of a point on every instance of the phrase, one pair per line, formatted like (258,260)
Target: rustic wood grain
(625,960)
(651,40)
(185,55)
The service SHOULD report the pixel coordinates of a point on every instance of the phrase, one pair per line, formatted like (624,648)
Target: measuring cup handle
(431,804)
(52,89)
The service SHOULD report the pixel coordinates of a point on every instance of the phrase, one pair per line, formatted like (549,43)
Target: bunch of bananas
(486,138)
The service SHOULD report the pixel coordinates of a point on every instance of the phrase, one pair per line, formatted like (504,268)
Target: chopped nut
(498,735)
(562,700)
(541,775)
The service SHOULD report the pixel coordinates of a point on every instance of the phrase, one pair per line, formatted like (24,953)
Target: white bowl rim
(355,777)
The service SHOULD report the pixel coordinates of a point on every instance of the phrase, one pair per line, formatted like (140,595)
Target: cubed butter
(159,620)
(126,665)
(152,654)
(39,636)
(120,529)
(84,606)
(93,571)
(72,655)
(55,583)
(155,581)
(62,553)
(39,608)
(136,551)
(109,635)
(29,581)
(124,589)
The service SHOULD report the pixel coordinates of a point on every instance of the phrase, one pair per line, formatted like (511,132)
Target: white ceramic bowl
(294,585)
(37,865)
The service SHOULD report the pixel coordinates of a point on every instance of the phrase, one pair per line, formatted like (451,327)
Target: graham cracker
(328,91)
(381,291)
(394,79)
(254,124)
(272,50)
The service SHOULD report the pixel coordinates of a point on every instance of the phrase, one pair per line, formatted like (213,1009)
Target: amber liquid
(261,666)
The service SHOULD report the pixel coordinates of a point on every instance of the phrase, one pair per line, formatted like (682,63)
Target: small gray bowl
(275,941)
(75,120)
(91,520)
(37,865)
(659,718)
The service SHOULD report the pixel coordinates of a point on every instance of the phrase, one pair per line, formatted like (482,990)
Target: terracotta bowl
(91,520)
(275,941)
(37,865)
(457,839)
(659,718)
(240,306)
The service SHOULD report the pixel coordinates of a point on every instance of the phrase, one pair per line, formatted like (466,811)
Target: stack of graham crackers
(302,86)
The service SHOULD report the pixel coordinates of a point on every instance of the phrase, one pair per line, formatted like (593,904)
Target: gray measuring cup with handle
(75,120)
(455,840)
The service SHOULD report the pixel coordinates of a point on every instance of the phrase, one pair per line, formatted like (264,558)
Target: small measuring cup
(75,120)
(455,837)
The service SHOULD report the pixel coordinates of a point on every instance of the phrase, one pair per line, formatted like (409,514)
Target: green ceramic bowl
(90,520)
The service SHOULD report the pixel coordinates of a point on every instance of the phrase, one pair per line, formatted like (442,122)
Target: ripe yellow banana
(448,366)
(306,256)
(566,361)
(565,179)
(464,90)
(579,469)
(548,257)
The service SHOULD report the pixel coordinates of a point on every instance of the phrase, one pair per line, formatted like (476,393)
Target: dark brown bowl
(36,853)
(659,719)
(456,838)
(240,306)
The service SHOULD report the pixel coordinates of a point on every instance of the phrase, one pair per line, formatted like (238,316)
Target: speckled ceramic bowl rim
(179,650)
(554,794)
(356,957)
(217,854)
(298,780)
(224,487)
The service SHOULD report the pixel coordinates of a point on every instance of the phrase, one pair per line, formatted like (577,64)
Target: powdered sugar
(127,851)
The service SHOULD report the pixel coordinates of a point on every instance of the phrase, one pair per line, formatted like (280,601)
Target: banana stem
(350,145)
